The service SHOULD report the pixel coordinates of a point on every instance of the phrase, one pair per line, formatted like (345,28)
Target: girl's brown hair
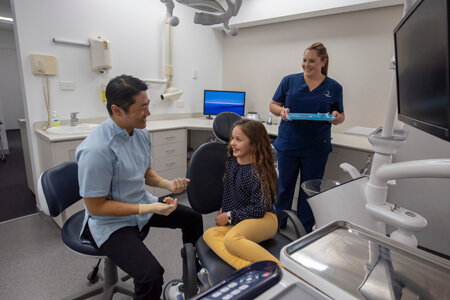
(261,156)
(322,53)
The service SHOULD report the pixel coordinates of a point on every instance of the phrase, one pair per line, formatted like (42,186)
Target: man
(114,164)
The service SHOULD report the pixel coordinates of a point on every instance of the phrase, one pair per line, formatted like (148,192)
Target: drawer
(169,175)
(168,163)
(169,150)
(169,137)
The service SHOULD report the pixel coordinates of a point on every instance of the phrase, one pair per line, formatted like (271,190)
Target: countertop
(351,141)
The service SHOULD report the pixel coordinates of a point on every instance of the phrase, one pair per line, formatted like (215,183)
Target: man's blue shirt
(112,163)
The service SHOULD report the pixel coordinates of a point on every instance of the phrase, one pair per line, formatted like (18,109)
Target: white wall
(360,46)
(135,30)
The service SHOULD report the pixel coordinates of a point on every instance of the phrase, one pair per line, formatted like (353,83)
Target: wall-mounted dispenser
(100,55)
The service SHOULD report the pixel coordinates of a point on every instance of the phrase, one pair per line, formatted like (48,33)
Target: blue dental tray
(311,117)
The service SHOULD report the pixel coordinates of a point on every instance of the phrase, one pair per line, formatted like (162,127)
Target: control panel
(246,283)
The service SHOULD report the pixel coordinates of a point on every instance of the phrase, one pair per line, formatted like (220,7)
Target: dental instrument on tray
(310,117)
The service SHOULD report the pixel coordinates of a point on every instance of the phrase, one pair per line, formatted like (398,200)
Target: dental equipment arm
(212,7)
(211,19)
(174,21)
(386,141)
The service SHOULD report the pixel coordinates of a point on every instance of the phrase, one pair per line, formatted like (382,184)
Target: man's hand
(177,185)
(159,208)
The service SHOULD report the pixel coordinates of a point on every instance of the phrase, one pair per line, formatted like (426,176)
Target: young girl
(247,215)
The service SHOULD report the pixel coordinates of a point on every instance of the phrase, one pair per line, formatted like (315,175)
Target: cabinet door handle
(170,137)
(170,164)
(170,150)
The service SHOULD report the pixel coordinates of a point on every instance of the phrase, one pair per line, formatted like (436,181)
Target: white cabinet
(169,151)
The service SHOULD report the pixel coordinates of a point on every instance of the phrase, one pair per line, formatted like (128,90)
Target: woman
(304,145)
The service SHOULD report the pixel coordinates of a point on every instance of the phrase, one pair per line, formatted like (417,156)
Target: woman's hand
(177,185)
(278,109)
(339,118)
(221,219)
(283,114)
(159,208)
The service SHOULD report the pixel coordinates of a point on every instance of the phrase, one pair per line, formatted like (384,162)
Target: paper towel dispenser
(100,55)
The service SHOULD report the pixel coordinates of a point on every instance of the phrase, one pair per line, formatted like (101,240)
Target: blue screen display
(216,102)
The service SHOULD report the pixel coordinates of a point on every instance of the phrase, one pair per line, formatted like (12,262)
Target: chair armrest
(189,270)
(298,226)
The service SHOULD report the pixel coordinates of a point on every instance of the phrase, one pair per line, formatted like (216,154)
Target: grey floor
(35,264)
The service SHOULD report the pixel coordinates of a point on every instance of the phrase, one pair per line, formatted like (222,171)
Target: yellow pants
(238,245)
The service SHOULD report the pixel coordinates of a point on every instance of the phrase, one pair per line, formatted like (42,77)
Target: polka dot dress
(242,193)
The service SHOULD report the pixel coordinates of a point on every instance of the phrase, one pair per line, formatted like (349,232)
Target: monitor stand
(209,117)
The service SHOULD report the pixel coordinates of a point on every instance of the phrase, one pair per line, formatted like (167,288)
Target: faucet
(269,120)
(364,170)
(73,119)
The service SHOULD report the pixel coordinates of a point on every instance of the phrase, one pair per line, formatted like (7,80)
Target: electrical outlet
(194,73)
(67,85)
(180,104)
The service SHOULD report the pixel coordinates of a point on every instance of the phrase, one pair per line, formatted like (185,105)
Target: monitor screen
(215,102)
(422,67)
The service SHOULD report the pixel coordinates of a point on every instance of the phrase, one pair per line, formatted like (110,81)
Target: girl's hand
(220,211)
(222,219)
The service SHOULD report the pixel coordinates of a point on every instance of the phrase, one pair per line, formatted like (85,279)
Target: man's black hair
(122,90)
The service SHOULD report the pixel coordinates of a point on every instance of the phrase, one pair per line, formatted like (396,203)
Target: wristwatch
(229,217)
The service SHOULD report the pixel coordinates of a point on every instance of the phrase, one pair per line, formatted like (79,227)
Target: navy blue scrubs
(303,145)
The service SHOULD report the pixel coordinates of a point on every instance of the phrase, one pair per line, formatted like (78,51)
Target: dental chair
(205,170)
(57,190)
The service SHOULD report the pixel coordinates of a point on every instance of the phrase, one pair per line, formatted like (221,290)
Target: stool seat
(71,235)
(57,190)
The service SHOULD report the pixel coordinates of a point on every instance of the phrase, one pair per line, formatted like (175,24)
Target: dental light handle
(171,19)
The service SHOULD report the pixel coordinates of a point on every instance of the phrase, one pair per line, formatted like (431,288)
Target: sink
(71,130)
(316,186)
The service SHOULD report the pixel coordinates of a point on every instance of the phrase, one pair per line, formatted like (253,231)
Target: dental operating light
(212,13)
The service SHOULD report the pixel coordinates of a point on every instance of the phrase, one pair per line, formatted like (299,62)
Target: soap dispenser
(55,119)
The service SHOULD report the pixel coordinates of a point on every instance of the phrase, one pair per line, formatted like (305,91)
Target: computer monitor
(423,67)
(215,102)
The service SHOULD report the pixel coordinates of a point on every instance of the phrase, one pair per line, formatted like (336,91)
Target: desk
(340,139)
(350,148)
